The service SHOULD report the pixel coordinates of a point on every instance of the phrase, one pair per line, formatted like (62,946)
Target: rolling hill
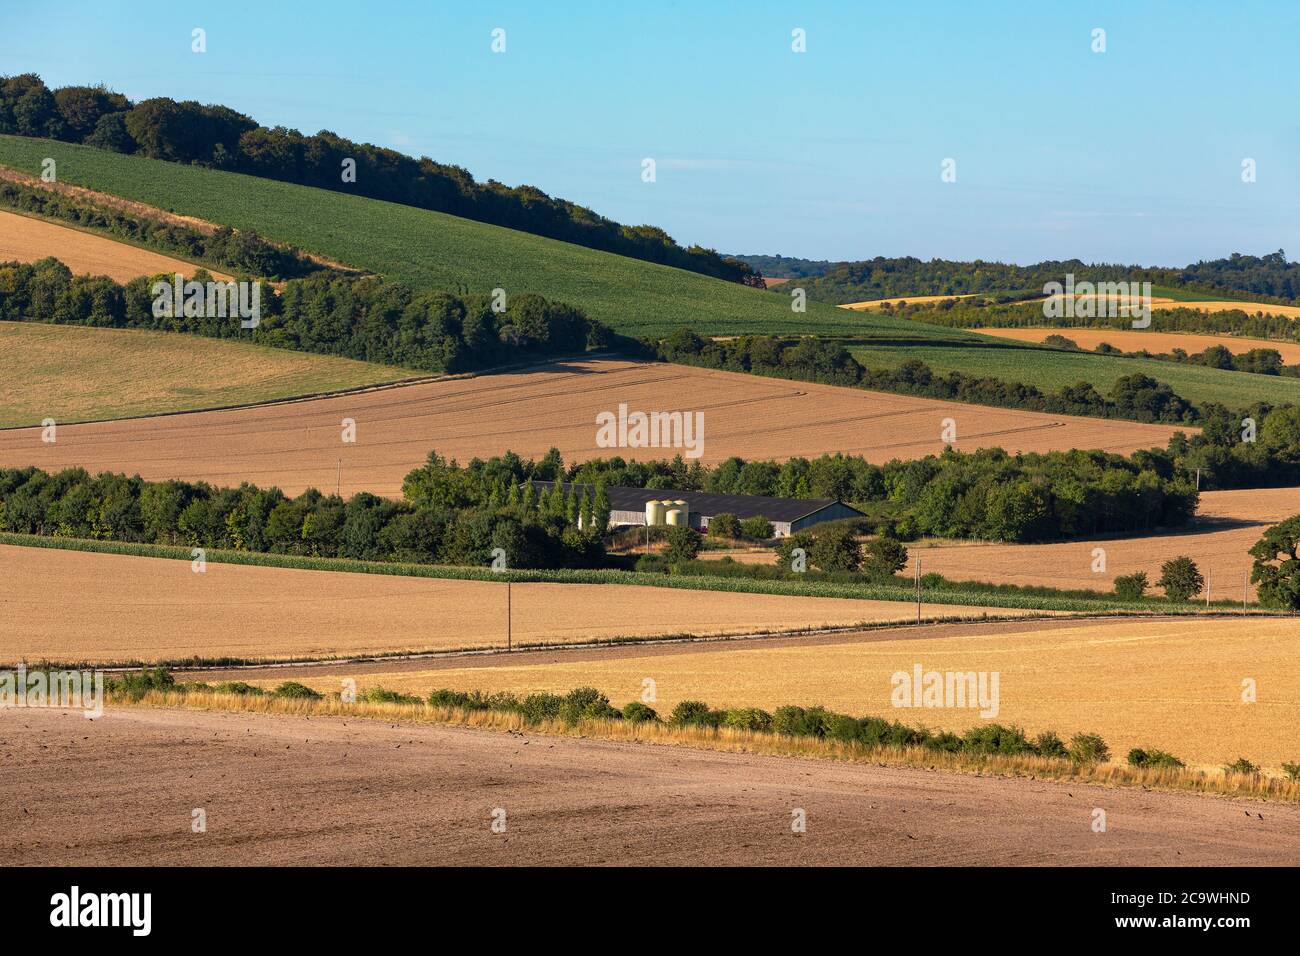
(432,250)
(78,374)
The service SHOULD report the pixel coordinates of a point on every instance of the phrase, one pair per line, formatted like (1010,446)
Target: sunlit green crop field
(436,251)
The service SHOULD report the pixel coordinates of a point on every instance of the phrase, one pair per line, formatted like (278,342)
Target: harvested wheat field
(303,790)
(79,373)
(298,445)
(909,299)
(74,606)
(1218,539)
(1168,683)
(25,240)
(1130,340)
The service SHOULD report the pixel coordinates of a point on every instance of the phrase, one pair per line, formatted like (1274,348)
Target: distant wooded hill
(1269,278)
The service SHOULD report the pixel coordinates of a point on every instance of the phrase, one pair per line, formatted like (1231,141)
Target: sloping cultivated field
(1131,340)
(1171,684)
(299,445)
(78,373)
(73,606)
(1218,540)
(25,239)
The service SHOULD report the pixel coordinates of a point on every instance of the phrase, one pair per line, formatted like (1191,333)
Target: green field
(74,373)
(435,251)
(1051,369)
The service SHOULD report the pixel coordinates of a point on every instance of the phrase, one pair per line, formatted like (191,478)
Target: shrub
(724,525)
(1088,748)
(377,695)
(1140,757)
(135,684)
(758,528)
(1241,765)
(474,700)
(945,742)
(1180,578)
(1292,770)
(651,564)
(800,721)
(885,557)
(586,703)
(683,545)
(638,713)
(748,718)
(996,739)
(238,687)
(537,708)
(691,712)
(836,549)
(1131,587)
(1047,744)
(292,690)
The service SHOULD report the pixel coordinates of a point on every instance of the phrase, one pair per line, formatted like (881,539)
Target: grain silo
(654,513)
(685,510)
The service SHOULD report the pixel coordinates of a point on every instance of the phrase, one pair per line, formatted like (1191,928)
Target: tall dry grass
(731,740)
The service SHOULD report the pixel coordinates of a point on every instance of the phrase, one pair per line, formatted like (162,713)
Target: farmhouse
(664,506)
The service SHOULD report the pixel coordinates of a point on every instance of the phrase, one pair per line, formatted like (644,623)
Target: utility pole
(1245,590)
(509,620)
(1207,590)
(338,481)
(1198,479)
(918,590)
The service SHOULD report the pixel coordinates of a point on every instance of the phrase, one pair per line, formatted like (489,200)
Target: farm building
(664,506)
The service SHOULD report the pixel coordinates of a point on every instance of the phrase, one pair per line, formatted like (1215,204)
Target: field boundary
(310,396)
(821,589)
(1258,788)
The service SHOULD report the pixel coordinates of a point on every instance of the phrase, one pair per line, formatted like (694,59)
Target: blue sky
(1131,155)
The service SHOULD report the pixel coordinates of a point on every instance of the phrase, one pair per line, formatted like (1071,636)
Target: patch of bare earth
(281,790)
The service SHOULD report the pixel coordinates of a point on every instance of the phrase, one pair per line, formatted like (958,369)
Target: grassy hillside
(435,250)
(74,373)
(1051,369)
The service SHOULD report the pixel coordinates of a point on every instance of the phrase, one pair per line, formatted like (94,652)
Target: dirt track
(299,445)
(289,790)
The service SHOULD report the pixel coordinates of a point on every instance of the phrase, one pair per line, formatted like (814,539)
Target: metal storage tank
(654,513)
(685,509)
(674,517)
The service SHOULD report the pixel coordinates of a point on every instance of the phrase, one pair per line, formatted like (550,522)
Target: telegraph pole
(509,621)
(918,590)
(338,480)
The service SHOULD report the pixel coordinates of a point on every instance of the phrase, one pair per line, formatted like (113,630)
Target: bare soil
(281,790)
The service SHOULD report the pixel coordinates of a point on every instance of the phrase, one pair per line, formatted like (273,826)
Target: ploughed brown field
(1218,540)
(75,606)
(298,445)
(25,239)
(293,790)
(1175,684)
(1131,340)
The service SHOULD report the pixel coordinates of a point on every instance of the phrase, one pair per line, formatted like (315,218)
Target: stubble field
(1172,684)
(25,239)
(1132,340)
(77,373)
(73,606)
(299,445)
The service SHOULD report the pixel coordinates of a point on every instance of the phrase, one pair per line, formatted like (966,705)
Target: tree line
(1270,278)
(368,317)
(1134,397)
(450,515)
(222,138)
(244,252)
